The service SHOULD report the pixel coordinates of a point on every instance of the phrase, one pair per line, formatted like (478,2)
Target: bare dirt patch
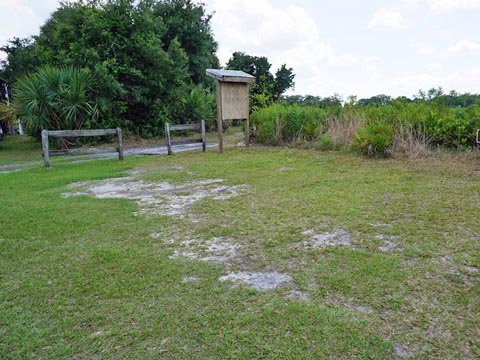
(261,281)
(298,296)
(403,351)
(388,246)
(158,198)
(10,168)
(380,225)
(337,237)
(228,252)
(217,250)
(388,243)
(465,268)
(188,279)
(348,304)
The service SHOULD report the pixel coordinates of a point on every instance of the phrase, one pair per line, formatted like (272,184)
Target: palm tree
(55,99)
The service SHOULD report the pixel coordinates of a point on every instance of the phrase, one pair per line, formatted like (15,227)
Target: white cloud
(19,19)
(330,62)
(433,67)
(464,80)
(287,35)
(446,5)
(474,71)
(22,13)
(462,47)
(427,49)
(385,18)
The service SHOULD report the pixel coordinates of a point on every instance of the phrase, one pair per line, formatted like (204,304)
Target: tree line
(434,96)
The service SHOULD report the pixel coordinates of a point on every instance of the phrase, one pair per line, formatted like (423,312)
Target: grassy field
(340,256)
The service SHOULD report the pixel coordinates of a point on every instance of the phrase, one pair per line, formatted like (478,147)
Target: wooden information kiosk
(232,99)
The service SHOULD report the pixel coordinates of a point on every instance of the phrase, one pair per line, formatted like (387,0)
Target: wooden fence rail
(199,126)
(80,133)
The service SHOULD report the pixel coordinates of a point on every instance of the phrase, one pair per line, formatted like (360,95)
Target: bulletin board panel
(234,101)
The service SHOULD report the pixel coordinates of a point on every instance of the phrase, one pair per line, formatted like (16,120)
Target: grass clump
(374,140)
(279,124)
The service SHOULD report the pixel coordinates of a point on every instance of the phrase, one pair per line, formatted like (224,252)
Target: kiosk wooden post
(232,99)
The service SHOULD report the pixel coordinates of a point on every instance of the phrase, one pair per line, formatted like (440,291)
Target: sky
(345,47)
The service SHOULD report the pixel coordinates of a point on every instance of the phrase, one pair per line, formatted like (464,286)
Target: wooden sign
(232,99)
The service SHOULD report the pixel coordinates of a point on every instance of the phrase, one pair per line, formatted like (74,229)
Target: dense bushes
(375,130)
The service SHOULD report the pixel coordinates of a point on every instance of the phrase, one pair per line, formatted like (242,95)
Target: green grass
(15,148)
(81,277)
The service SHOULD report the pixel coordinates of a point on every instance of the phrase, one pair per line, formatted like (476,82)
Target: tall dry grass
(343,128)
(411,143)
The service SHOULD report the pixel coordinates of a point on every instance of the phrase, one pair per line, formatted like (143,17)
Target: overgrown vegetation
(397,126)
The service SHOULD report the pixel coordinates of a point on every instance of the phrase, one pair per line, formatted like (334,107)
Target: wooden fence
(80,133)
(199,126)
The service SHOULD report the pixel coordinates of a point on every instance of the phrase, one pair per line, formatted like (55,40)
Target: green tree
(283,80)
(376,100)
(267,88)
(22,58)
(188,22)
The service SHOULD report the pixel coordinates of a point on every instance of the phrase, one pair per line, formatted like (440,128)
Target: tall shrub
(375,139)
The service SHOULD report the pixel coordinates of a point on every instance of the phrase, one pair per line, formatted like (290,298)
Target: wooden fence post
(204,137)
(167,135)
(219,117)
(45,148)
(120,144)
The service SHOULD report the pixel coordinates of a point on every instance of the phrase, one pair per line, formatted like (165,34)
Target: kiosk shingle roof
(231,75)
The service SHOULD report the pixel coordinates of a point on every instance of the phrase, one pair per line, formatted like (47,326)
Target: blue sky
(361,48)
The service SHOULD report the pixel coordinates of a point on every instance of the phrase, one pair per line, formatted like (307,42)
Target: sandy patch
(188,279)
(298,296)
(157,198)
(337,237)
(388,244)
(10,168)
(348,304)
(261,281)
(217,250)
(468,269)
(380,225)
(403,351)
